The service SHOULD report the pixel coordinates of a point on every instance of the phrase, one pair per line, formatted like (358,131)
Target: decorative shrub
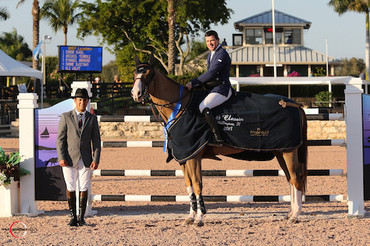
(323,98)
(10,168)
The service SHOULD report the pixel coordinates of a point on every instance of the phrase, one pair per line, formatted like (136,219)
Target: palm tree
(60,14)
(360,6)
(3,13)
(35,27)
(13,45)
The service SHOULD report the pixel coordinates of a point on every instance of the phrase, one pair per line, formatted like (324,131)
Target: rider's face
(212,43)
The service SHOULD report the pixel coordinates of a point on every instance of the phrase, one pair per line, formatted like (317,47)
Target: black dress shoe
(82,222)
(73,222)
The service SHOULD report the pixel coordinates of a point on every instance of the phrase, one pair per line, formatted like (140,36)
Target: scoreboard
(80,59)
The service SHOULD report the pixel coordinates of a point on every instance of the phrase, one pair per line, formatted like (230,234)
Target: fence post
(354,136)
(26,105)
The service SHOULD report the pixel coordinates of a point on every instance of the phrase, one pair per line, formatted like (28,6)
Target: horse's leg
(297,205)
(279,157)
(292,163)
(289,163)
(194,169)
(193,202)
(290,212)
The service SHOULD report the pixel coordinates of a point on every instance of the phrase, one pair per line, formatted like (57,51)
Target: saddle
(258,124)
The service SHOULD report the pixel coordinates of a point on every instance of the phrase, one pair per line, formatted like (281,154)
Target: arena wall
(131,130)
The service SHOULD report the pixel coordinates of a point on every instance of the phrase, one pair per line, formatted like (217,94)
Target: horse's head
(143,75)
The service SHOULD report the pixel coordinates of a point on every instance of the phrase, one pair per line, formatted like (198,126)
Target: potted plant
(10,172)
(10,168)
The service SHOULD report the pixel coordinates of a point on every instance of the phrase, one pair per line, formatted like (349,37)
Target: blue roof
(265,18)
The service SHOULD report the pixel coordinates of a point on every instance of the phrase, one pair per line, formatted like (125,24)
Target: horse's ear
(137,61)
(151,60)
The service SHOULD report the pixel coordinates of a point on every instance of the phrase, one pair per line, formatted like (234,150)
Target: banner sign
(50,185)
(366,145)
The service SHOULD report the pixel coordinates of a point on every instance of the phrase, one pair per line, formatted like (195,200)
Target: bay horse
(165,93)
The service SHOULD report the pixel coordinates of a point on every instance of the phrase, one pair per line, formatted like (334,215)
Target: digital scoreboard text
(80,59)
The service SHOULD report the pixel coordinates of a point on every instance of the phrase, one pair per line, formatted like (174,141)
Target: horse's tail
(302,152)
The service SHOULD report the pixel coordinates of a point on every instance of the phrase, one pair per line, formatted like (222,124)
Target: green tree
(197,48)
(109,71)
(123,23)
(35,27)
(60,14)
(14,45)
(350,67)
(3,13)
(360,6)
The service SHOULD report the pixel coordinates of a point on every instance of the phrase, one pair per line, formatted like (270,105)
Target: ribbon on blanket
(175,111)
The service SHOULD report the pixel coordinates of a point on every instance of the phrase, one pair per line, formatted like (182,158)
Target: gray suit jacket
(74,143)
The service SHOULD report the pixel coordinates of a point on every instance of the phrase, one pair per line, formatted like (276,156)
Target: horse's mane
(165,76)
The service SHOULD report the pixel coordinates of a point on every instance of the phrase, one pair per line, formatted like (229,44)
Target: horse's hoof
(293,220)
(198,223)
(288,215)
(188,221)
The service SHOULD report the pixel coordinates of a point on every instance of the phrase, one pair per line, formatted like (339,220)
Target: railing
(8,112)
(9,93)
(115,98)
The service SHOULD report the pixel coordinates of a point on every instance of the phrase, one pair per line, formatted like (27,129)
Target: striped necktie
(80,120)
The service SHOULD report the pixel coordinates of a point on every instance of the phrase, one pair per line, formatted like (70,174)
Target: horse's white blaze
(136,91)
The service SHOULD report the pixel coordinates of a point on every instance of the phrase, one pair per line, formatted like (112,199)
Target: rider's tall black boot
(82,210)
(212,123)
(71,198)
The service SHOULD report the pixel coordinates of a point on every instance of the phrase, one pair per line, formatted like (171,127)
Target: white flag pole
(273,35)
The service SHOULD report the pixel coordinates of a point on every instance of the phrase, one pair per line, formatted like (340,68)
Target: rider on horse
(217,76)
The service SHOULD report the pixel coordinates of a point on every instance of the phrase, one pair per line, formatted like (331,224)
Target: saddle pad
(247,121)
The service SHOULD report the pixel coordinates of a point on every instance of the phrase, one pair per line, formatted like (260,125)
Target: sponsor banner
(49,180)
(366,144)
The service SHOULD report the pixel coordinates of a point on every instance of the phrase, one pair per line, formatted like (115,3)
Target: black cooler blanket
(247,121)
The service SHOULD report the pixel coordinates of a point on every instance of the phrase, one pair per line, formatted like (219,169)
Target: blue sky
(345,33)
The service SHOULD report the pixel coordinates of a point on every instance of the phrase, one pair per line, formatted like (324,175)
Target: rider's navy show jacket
(217,69)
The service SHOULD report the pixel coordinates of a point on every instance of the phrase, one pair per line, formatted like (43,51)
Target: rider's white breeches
(213,100)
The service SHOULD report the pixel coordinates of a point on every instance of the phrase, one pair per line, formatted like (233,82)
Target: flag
(36,52)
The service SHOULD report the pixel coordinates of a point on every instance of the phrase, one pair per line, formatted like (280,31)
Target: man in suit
(78,130)
(217,76)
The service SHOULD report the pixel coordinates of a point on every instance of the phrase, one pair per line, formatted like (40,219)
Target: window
(297,36)
(269,34)
(288,36)
(253,36)
(237,39)
(292,36)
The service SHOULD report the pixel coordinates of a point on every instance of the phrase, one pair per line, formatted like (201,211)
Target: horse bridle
(144,69)
(149,73)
